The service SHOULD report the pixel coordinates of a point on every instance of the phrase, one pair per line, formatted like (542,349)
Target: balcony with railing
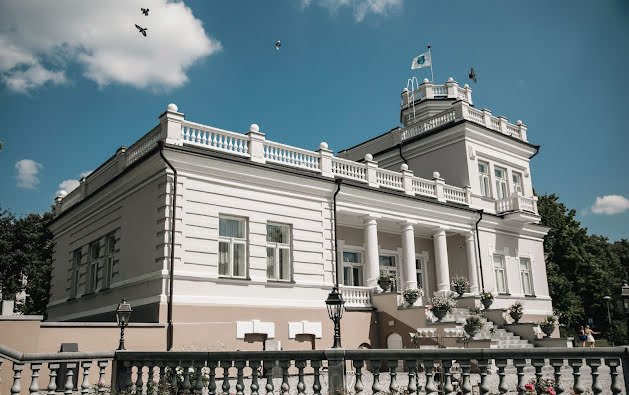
(429,371)
(517,203)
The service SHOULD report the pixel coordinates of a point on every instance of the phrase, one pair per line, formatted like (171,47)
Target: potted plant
(548,325)
(412,294)
(473,325)
(385,281)
(441,305)
(486,298)
(460,284)
(515,311)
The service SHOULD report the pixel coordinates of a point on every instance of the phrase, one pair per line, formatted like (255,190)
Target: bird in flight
(145,11)
(142,30)
(278,44)
(472,75)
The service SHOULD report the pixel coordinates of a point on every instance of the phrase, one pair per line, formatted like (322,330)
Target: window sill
(530,296)
(280,282)
(504,294)
(234,278)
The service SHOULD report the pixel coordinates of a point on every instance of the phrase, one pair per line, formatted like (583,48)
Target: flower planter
(459,290)
(439,314)
(410,299)
(385,285)
(472,331)
(548,330)
(516,316)
(486,303)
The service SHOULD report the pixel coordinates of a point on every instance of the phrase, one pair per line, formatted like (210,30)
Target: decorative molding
(304,328)
(255,326)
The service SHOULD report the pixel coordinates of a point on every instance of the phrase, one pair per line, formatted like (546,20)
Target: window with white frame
(483,175)
(352,268)
(501,182)
(110,242)
(388,266)
(92,268)
(526,277)
(517,182)
(419,272)
(278,252)
(500,274)
(76,272)
(232,247)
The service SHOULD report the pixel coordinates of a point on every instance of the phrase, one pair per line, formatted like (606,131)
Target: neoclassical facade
(230,237)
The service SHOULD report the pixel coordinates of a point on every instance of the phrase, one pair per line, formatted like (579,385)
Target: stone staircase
(500,338)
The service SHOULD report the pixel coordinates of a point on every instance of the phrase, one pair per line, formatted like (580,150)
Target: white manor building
(448,193)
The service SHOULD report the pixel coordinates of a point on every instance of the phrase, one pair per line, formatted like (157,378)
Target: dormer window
(501,182)
(483,175)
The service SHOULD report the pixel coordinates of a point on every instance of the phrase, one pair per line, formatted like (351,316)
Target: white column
(441,262)
(471,262)
(372,269)
(408,253)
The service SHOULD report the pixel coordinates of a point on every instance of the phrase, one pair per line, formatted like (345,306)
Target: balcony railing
(517,203)
(325,371)
(356,297)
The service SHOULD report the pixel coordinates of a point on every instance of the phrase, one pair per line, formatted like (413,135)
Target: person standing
(582,336)
(589,333)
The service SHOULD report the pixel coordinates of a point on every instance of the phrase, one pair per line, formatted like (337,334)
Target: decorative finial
(323,145)
(435,174)
(450,79)
(61,194)
(404,167)
(426,80)
(518,122)
(173,107)
(254,128)
(368,157)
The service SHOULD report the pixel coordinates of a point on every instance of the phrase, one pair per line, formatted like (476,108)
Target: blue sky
(77,81)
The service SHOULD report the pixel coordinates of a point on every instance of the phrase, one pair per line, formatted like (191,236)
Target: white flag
(422,60)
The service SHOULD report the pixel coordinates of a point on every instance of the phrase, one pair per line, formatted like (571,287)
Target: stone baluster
(538,364)
(466,385)
(52,382)
(150,381)
(301,386)
(186,385)
(255,386)
(594,364)
(557,365)
(519,366)
(393,363)
(483,365)
(198,380)
(431,387)
(139,383)
(411,365)
(85,384)
(240,384)
(376,387)
(102,365)
(448,388)
(34,387)
(226,365)
(268,373)
(316,386)
(502,384)
(17,376)
(576,364)
(128,371)
(69,385)
(613,364)
(172,366)
(211,385)
(285,387)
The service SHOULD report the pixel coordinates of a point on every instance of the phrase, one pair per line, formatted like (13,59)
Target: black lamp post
(335,303)
(123,313)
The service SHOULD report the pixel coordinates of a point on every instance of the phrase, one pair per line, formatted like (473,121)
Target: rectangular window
(418,271)
(483,174)
(501,182)
(352,269)
(76,272)
(526,276)
(278,262)
(92,269)
(232,247)
(500,274)
(388,266)
(517,182)
(109,265)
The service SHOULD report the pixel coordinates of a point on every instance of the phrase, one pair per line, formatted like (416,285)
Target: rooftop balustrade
(599,370)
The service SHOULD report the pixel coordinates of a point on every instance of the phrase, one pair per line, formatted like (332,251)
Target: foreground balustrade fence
(431,371)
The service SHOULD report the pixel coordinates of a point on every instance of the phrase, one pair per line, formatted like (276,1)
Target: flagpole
(432,77)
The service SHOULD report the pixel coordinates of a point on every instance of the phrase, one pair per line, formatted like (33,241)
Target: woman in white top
(589,333)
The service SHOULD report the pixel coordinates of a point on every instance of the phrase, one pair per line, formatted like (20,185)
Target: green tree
(25,259)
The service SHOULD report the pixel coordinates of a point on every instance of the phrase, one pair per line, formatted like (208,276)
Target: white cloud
(610,205)
(360,7)
(70,185)
(39,39)
(27,171)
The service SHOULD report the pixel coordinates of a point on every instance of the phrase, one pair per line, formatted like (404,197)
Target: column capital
(370,218)
(469,235)
(439,230)
(406,224)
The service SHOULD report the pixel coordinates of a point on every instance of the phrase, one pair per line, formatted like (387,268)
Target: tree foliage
(25,259)
(582,269)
